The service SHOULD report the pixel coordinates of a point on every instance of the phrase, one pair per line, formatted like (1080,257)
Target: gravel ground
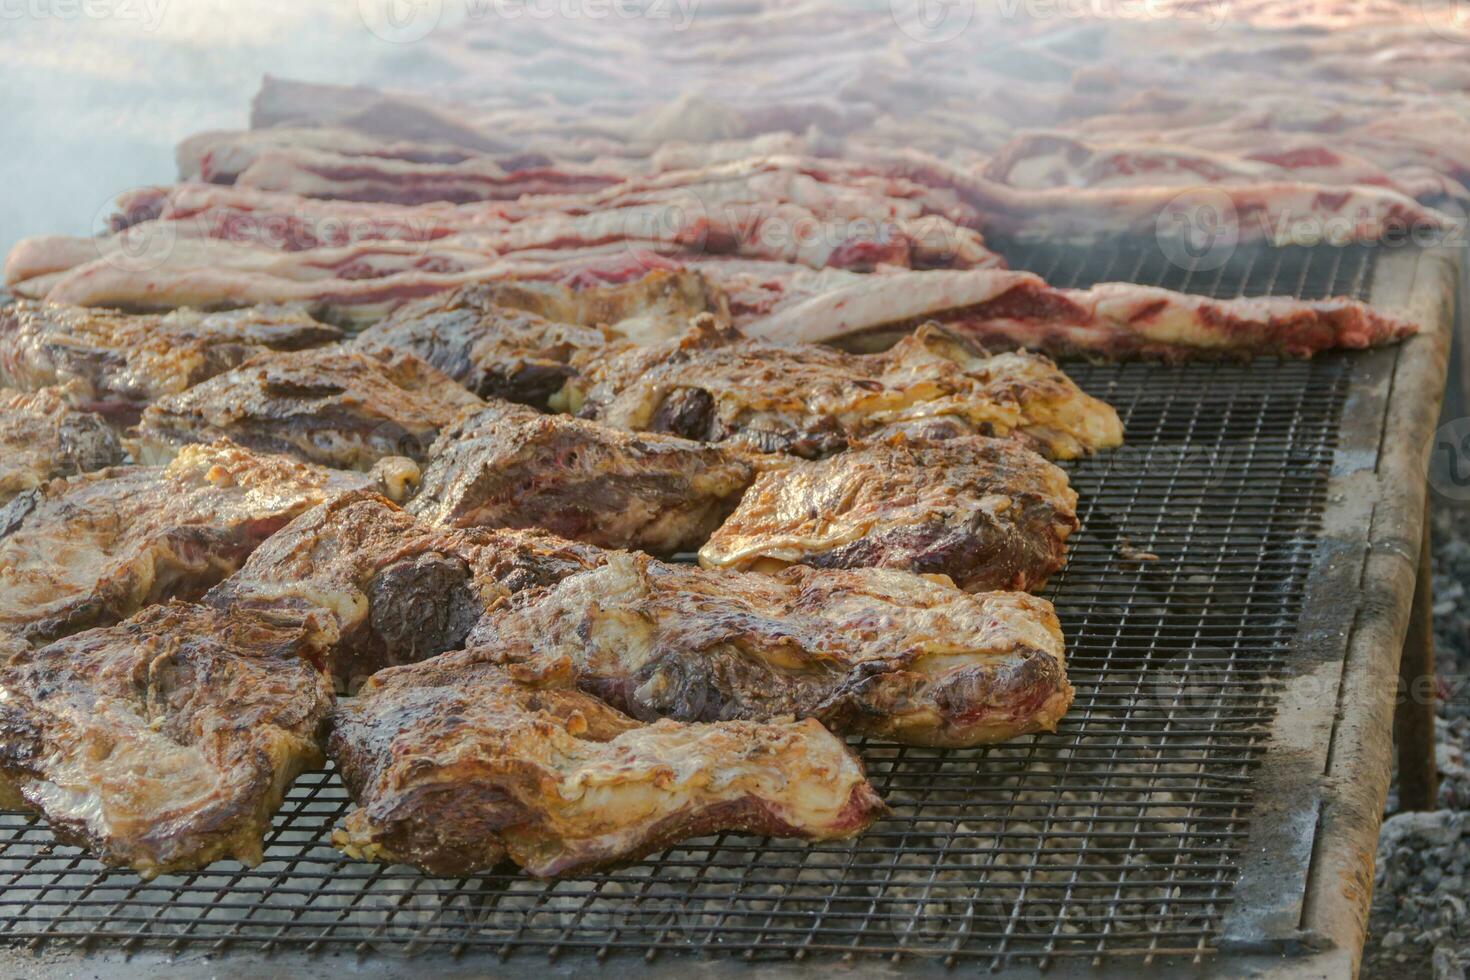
(1420,925)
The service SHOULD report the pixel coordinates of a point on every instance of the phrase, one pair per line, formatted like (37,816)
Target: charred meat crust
(44,436)
(456,765)
(868,651)
(336,407)
(988,513)
(715,385)
(164,742)
(510,466)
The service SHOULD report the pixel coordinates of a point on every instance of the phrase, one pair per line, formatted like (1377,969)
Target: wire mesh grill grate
(1117,836)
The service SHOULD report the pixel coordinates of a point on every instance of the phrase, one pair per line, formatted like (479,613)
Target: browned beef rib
(715,385)
(382,588)
(43,435)
(338,407)
(511,466)
(94,549)
(865,651)
(124,362)
(988,513)
(455,766)
(165,742)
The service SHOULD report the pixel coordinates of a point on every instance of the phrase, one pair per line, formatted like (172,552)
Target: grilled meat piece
(520,340)
(93,549)
(383,588)
(715,385)
(43,436)
(988,513)
(124,362)
(336,407)
(865,651)
(455,765)
(495,352)
(165,742)
(511,466)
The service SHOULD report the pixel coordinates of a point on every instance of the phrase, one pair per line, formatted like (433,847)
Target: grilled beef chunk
(43,436)
(383,588)
(342,408)
(988,513)
(94,549)
(511,466)
(522,341)
(865,651)
(456,765)
(122,362)
(165,742)
(714,384)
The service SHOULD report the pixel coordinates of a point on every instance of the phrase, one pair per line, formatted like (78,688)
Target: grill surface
(1120,836)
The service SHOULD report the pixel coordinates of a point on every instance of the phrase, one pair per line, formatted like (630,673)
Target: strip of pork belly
(1018,309)
(511,466)
(455,766)
(93,549)
(869,651)
(380,587)
(165,742)
(118,363)
(715,385)
(43,435)
(346,408)
(988,513)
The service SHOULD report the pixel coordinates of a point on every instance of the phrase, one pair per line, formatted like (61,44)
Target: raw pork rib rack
(1178,815)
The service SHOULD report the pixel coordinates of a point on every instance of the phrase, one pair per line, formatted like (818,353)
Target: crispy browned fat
(455,765)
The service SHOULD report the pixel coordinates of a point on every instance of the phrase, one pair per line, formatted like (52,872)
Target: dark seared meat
(988,513)
(384,588)
(93,549)
(713,384)
(124,362)
(511,466)
(521,341)
(495,352)
(165,742)
(43,436)
(457,765)
(865,651)
(336,407)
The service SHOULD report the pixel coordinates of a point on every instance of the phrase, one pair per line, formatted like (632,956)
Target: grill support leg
(1413,721)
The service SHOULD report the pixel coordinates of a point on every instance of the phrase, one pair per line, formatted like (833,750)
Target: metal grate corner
(1118,837)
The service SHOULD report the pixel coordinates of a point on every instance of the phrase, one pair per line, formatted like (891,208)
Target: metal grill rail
(1119,836)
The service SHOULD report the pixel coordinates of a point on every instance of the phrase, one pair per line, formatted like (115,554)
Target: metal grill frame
(1311,744)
